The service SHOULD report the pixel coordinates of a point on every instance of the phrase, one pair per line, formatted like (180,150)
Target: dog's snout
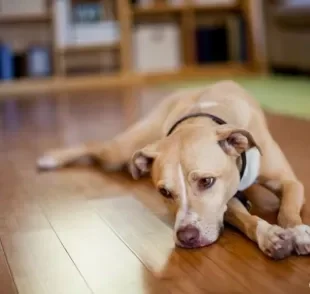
(188,235)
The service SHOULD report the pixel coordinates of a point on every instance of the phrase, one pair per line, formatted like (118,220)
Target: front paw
(274,241)
(301,239)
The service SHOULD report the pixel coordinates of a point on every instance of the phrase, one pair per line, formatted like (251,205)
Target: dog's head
(196,171)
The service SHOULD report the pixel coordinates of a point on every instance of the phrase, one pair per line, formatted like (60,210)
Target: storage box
(94,34)
(156,47)
(91,31)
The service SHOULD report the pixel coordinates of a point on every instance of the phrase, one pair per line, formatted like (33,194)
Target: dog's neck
(249,162)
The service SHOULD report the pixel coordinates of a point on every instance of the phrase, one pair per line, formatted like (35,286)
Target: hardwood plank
(18,211)
(256,281)
(7,285)
(37,259)
(152,242)
(91,244)
(148,230)
(285,272)
(41,265)
(142,190)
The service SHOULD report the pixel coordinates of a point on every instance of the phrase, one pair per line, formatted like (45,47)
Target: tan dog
(197,167)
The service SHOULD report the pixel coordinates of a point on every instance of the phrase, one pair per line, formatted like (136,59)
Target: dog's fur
(197,167)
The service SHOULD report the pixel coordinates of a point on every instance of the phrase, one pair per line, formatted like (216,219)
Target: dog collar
(216,120)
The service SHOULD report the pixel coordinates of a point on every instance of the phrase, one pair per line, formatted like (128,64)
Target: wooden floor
(80,230)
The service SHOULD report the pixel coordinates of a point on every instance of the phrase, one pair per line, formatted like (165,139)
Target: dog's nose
(188,235)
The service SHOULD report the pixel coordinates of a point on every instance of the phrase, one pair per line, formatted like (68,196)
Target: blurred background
(62,47)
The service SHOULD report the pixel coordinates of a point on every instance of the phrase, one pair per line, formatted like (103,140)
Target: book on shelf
(19,65)
(6,62)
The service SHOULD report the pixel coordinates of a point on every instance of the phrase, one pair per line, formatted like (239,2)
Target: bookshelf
(186,16)
(24,19)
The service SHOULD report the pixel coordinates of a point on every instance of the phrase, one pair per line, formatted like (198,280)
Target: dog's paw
(47,162)
(301,239)
(274,241)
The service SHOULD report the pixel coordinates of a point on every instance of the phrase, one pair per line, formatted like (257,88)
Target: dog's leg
(278,177)
(115,153)
(110,154)
(60,157)
(291,194)
(273,240)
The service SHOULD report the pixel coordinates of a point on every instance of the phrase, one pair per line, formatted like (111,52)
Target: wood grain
(7,284)
(81,230)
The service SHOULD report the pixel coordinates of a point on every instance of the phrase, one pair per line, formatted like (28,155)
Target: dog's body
(197,167)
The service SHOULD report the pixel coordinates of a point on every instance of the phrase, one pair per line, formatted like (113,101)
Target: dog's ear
(234,141)
(142,160)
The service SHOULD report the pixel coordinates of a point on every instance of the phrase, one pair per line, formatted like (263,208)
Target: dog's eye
(165,193)
(206,183)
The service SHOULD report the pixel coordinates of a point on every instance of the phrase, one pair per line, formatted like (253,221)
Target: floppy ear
(142,160)
(235,141)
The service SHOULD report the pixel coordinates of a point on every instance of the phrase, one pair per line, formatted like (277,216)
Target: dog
(201,148)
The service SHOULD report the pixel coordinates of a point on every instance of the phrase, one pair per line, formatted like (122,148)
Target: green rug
(277,94)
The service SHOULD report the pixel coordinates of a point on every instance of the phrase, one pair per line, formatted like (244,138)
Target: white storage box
(156,47)
(82,34)
(94,34)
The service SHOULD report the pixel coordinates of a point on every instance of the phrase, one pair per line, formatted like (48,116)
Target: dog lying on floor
(201,147)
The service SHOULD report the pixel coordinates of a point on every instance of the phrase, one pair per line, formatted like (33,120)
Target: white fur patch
(183,199)
(47,162)
(207,104)
(251,170)
(261,231)
(273,240)
(302,239)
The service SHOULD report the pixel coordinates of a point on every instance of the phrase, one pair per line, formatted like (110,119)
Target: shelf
(141,11)
(30,88)
(88,48)
(216,8)
(98,82)
(160,9)
(218,70)
(25,18)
